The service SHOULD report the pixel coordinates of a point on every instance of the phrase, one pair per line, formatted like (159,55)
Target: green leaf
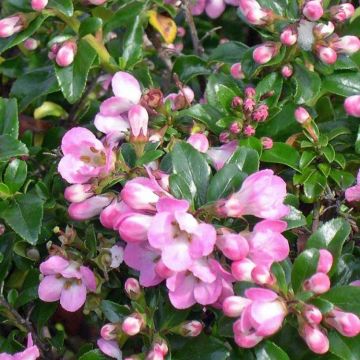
(295,218)
(200,348)
(9,123)
(72,79)
(149,156)
(280,276)
(330,236)
(308,85)
(10,147)
(90,25)
(271,83)
(34,84)
(343,179)
(343,84)
(270,351)
(246,159)
(64,6)
(307,158)
(93,355)
(282,153)
(8,43)
(304,266)
(344,297)
(193,168)
(314,185)
(132,51)
(114,312)
(24,215)
(230,52)
(225,182)
(344,347)
(179,187)
(15,174)
(190,66)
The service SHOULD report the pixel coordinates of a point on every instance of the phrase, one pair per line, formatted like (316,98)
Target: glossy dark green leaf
(344,347)
(24,215)
(132,51)
(193,168)
(306,158)
(180,188)
(270,351)
(9,124)
(344,297)
(93,355)
(189,66)
(230,52)
(114,312)
(64,6)
(246,159)
(225,182)
(10,147)
(295,218)
(72,79)
(304,266)
(342,178)
(314,185)
(90,25)
(282,153)
(308,85)
(343,84)
(15,174)
(270,84)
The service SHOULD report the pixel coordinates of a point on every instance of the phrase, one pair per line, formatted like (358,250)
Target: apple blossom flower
(235,128)
(233,246)
(347,324)
(138,119)
(90,207)
(66,54)
(352,107)
(326,54)
(39,5)
(11,25)
(199,141)
(236,71)
(30,353)
(250,92)
(182,99)
(110,348)
(313,10)
(236,102)
(342,12)
(347,45)
(78,192)
(224,137)
(109,331)
(133,324)
(315,338)
(253,13)
(97,2)
(321,30)
(214,8)
(178,235)
(353,193)
(265,52)
(233,306)
(319,283)
(133,227)
(67,281)
(312,314)
(288,36)
(85,157)
(261,194)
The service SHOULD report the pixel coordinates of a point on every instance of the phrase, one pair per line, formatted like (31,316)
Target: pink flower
(113,213)
(250,92)
(235,128)
(262,315)
(11,25)
(323,30)
(39,5)
(110,348)
(319,283)
(325,261)
(312,314)
(66,53)
(191,328)
(301,115)
(132,288)
(249,130)
(134,226)
(224,137)
(315,338)
(133,324)
(347,324)
(313,10)
(347,45)
(287,71)
(288,36)
(117,256)
(109,332)
(78,192)
(233,246)
(253,12)
(197,7)
(265,52)
(30,353)
(199,141)
(342,12)
(353,192)
(267,143)
(261,113)
(67,281)
(214,8)
(233,306)
(326,54)
(352,107)
(138,119)
(85,157)
(180,100)
(236,71)
(262,194)
(31,44)
(90,207)
(144,259)
(179,236)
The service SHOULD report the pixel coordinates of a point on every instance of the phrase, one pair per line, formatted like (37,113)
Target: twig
(210,32)
(193,32)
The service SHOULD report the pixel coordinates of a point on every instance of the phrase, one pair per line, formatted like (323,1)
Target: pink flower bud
(325,261)
(31,44)
(302,116)
(39,5)
(191,328)
(134,227)
(132,288)
(224,137)
(347,45)
(155,355)
(108,332)
(89,208)
(236,71)
(288,36)
(233,246)
(138,119)
(233,306)
(161,346)
(287,71)
(78,192)
(315,339)
(261,113)
(318,283)
(326,54)
(181,32)
(11,25)
(250,92)
(267,143)
(352,105)
(66,54)
(249,130)
(347,324)
(261,275)
(341,13)
(241,270)
(313,10)
(235,128)
(199,141)
(132,324)
(249,104)
(236,102)
(312,314)
(265,52)
(323,30)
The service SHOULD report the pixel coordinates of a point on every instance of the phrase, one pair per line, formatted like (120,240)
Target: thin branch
(193,32)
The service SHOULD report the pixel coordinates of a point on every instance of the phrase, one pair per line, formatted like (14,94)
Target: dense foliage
(179,179)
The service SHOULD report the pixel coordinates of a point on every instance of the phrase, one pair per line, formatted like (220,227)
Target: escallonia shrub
(179,179)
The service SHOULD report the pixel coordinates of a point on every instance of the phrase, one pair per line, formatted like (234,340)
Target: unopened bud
(132,288)
(191,328)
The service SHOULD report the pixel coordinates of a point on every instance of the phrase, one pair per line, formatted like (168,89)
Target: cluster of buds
(63,53)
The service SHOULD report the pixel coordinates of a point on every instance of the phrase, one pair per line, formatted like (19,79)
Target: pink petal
(73,297)
(50,288)
(172,205)
(206,293)
(258,294)
(53,265)
(32,353)
(112,124)
(160,230)
(114,106)
(126,86)
(176,256)
(88,278)
(110,348)
(203,240)
(181,294)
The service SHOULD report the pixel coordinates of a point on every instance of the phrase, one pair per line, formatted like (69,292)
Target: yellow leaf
(164,25)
